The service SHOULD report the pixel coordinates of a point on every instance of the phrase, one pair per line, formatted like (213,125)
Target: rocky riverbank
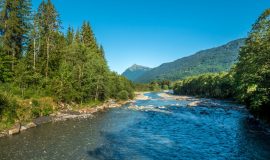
(203,102)
(63,115)
(141,96)
(169,96)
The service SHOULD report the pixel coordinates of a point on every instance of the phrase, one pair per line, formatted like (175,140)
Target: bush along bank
(19,115)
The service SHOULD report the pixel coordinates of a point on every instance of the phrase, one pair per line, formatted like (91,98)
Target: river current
(154,129)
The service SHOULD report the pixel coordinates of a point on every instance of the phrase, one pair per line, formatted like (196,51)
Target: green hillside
(207,61)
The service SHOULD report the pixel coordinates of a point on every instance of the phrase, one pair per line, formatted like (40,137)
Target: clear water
(154,129)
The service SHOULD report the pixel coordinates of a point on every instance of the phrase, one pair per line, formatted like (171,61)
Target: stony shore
(63,115)
(141,96)
(169,96)
(203,102)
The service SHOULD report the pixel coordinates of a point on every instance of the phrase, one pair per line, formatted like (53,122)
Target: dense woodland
(248,81)
(38,60)
(154,86)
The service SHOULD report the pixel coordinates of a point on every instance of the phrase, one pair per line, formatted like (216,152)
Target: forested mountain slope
(207,61)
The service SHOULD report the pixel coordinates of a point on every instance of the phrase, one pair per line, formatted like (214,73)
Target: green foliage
(37,60)
(207,85)
(154,86)
(213,60)
(5,61)
(119,83)
(248,81)
(252,72)
(123,95)
(14,26)
(142,87)
(8,106)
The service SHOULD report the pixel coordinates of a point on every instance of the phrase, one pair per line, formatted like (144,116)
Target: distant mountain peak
(135,65)
(135,71)
(138,67)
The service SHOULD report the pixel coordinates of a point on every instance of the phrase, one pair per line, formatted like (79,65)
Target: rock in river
(15,129)
(30,125)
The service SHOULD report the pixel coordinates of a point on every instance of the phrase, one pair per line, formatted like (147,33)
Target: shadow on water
(107,151)
(104,153)
(124,148)
(246,143)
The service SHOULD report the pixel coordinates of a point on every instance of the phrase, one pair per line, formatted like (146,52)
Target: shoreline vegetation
(70,112)
(248,82)
(46,72)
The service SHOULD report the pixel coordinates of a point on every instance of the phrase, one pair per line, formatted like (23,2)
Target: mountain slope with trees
(135,71)
(207,61)
(248,82)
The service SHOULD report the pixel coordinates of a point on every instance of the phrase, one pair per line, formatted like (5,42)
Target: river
(152,129)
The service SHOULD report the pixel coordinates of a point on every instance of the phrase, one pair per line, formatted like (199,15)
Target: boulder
(23,128)
(3,134)
(15,129)
(30,125)
(194,104)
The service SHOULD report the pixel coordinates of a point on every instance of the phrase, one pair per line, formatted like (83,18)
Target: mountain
(135,71)
(211,60)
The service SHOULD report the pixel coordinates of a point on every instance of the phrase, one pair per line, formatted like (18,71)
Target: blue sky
(151,32)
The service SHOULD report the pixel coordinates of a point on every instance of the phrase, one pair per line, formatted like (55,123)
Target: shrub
(46,111)
(123,95)
(8,106)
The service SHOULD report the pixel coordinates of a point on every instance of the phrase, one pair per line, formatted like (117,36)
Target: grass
(89,104)
(14,108)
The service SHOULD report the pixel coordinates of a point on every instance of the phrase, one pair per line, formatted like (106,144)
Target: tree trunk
(48,57)
(96,96)
(34,54)
(13,60)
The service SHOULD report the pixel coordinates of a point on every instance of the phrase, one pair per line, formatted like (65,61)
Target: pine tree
(70,36)
(78,38)
(49,24)
(102,52)
(15,22)
(88,37)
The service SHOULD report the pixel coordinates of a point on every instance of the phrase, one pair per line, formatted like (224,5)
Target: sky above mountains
(151,32)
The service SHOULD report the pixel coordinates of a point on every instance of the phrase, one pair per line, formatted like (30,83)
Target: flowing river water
(152,129)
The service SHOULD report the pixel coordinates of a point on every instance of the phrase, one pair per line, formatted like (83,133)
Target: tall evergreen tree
(77,37)
(88,37)
(15,22)
(102,52)
(70,36)
(49,24)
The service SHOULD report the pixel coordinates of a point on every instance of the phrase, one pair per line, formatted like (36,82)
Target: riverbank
(141,96)
(204,102)
(169,96)
(69,112)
